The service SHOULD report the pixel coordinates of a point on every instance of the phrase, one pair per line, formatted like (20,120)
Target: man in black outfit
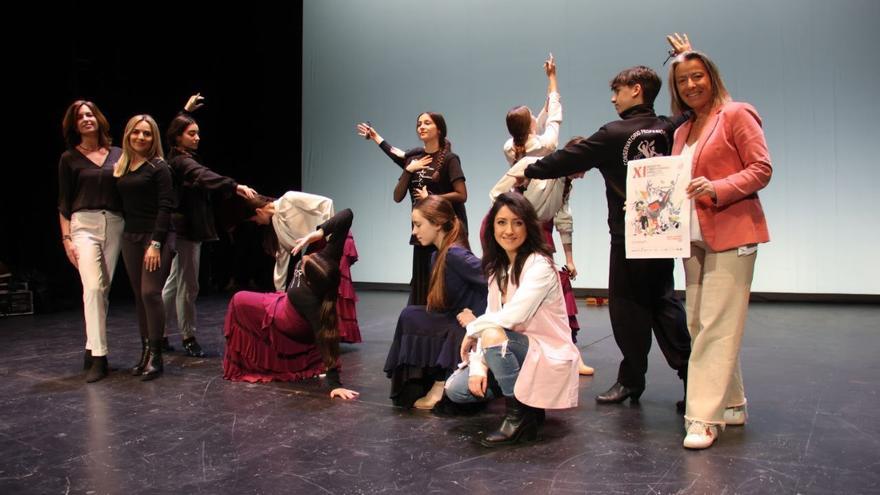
(640,290)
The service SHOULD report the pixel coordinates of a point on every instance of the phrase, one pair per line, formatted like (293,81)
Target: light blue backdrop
(810,67)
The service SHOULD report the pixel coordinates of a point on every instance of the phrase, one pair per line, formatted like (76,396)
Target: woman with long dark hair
(193,220)
(426,342)
(432,169)
(285,221)
(521,348)
(145,184)
(90,215)
(293,335)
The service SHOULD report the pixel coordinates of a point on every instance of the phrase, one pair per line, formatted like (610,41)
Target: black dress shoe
(87,360)
(192,348)
(618,393)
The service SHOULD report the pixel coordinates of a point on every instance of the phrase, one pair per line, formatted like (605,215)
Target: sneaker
(736,416)
(192,348)
(700,435)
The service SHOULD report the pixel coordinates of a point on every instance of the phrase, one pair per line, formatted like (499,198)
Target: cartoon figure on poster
(656,213)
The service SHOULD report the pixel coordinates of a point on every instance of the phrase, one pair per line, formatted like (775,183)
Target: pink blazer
(732,154)
(548,378)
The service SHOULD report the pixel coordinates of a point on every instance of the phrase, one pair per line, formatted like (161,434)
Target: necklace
(87,150)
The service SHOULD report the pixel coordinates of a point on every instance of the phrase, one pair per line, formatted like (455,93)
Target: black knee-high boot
(520,423)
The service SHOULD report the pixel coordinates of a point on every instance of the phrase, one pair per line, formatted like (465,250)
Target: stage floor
(811,373)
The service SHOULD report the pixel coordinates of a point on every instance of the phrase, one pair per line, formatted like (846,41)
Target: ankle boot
(520,423)
(87,360)
(98,369)
(142,362)
(154,364)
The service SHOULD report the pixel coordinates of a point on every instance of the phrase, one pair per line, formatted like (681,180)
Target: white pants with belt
(96,235)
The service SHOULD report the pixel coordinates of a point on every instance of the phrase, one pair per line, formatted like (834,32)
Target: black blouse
(148,199)
(82,185)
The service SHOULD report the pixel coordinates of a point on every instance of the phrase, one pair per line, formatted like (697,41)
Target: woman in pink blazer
(521,347)
(730,164)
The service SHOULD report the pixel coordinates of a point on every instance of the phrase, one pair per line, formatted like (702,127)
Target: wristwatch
(156,244)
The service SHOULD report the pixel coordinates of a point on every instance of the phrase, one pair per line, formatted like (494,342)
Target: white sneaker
(736,416)
(700,435)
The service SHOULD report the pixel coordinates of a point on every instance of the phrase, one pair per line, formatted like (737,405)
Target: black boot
(166,345)
(520,423)
(192,348)
(98,369)
(618,393)
(138,369)
(154,364)
(87,360)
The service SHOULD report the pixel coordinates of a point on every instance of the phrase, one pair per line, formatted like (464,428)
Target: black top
(438,180)
(148,199)
(300,295)
(639,134)
(194,182)
(82,185)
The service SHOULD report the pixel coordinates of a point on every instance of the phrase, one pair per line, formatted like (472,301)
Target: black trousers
(641,298)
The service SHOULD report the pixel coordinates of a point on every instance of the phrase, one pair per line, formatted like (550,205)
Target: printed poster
(657,208)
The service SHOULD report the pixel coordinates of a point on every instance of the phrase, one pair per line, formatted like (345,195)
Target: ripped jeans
(503,371)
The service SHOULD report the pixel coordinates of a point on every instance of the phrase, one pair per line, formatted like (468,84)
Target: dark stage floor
(811,375)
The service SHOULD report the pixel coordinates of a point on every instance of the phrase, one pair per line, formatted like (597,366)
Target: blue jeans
(503,370)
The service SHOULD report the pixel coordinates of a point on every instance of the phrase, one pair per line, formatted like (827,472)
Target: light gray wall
(810,67)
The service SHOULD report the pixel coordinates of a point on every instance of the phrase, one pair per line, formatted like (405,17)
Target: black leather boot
(520,423)
(138,369)
(154,367)
(98,370)
(618,393)
(87,360)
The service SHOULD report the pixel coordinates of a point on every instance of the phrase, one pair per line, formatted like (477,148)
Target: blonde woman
(145,184)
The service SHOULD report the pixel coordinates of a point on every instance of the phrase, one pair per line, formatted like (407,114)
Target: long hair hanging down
(322,276)
(438,211)
(519,124)
(495,259)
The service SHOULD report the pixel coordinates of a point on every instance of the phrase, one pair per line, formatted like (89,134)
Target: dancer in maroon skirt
(294,335)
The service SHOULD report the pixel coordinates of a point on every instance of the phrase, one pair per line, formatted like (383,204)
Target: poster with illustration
(657,208)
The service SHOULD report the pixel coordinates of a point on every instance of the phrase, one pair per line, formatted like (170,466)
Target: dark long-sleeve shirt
(82,185)
(466,285)
(301,296)
(194,218)
(438,178)
(639,134)
(148,199)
